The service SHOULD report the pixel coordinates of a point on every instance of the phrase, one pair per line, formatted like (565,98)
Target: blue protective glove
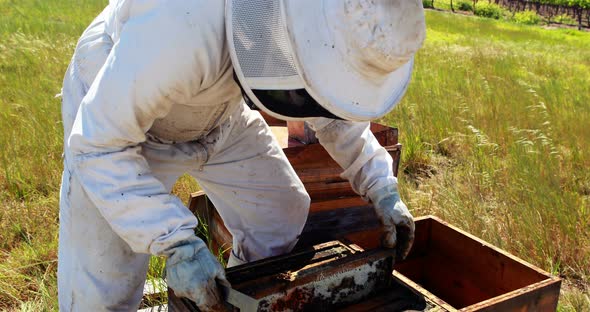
(194,273)
(397,221)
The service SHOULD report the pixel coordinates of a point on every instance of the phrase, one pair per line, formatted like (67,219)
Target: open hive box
(447,269)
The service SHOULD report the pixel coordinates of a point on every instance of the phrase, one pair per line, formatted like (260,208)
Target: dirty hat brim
(286,45)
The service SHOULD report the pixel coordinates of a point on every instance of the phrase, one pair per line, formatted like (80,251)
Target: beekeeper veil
(345,59)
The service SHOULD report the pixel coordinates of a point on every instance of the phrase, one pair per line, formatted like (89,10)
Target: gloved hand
(194,273)
(397,221)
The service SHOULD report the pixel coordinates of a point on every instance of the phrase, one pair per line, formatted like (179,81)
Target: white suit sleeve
(150,67)
(367,165)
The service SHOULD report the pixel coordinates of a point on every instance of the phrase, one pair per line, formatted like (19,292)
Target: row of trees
(568,3)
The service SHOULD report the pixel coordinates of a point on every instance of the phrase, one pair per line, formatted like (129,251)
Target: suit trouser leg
(97,271)
(260,198)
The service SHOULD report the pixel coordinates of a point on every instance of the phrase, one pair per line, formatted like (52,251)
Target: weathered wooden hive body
(447,269)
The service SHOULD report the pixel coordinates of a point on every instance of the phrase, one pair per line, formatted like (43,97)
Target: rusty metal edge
(339,265)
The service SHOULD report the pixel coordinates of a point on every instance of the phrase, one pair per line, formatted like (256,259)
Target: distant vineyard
(570,12)
(577,9)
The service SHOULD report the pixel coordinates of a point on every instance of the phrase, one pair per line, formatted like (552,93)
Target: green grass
(496,138)
(494,127)
(37,39)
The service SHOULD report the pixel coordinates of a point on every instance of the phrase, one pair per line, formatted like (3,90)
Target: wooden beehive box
(458,271)
(449,269)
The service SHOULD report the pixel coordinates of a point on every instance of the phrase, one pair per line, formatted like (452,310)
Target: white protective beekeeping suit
(149,96)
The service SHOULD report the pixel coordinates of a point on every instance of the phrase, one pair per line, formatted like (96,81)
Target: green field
(495,129)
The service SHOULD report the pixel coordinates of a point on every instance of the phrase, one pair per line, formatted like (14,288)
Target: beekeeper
(157,89)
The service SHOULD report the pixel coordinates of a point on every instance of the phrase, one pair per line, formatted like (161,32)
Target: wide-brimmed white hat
(347,59)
